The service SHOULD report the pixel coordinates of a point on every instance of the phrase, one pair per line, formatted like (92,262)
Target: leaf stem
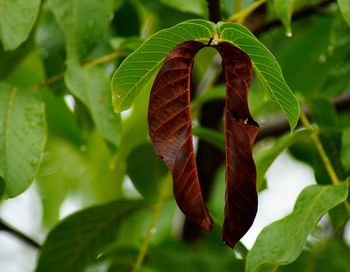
(18,234)
(325,159)
(238,5)
(154,219)
(214,10)
(241,15)
(91,63)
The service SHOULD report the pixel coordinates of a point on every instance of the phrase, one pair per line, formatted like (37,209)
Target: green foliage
(17,19)
(21,110)
(282,242)
(81,237)
(66,67)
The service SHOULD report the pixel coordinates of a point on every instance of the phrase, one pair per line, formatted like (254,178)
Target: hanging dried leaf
(169,120)
(240,132)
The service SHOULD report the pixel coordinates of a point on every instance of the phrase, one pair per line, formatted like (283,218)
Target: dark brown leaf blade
(240,132)
(169,122)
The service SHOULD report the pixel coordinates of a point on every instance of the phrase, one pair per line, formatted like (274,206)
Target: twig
(18,234)
(240,15)
(91,63)
(154,219)
(324,157)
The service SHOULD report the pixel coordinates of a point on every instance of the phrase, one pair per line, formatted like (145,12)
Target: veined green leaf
(264,159)
(92,86)
(283,241)
(266,68)
(84,23)
(284,9)
(344,6)
(81,237)
(22,137)
(17,19)
(139,67)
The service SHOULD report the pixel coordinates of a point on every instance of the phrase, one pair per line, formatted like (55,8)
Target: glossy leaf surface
(79,238)
(283,241)
(22,137)
(240,132)
(169,122)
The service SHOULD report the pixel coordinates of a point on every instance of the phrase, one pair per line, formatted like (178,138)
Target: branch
(18,234)
(300,14)
(214,10)
(279,125)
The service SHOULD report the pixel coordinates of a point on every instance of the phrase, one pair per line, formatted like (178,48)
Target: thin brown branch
(214,10)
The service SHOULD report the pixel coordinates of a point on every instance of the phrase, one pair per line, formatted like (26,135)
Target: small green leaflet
(282,242)
(139,67)
(17,18)
(81,237)
(266,68)
(344,6)
(264,159)
(91,86)
(22,137)
(284,10)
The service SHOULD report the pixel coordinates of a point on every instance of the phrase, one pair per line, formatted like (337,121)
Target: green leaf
(81,237)
(22,137)
(284,9)
(266,68)
(195,7)
(344,6)
(2,188)
(211,136)
(17,19)
(146,170)
(264,159)
(139,67)
(217,92)
(282,242)
(84,23)
(92,86)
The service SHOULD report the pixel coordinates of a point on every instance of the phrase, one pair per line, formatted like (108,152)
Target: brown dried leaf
(240,132)
(169,120)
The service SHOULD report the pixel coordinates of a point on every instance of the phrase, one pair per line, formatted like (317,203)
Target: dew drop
(289,34)
(83,148)
(153,230)
(322,58)
(34,161)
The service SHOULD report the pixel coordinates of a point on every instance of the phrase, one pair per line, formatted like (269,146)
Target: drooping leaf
(84,23)
(282,242)
(169,122)
(146,170)
(17,19)
(265,66)
(81,237)
(240,132)
(344,6)
(284,10)
(139,67)
(92,86)
(22,137)
(264,159)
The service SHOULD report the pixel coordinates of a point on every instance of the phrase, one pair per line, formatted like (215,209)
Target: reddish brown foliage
(169,119)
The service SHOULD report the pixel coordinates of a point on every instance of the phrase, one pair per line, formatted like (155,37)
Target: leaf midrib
(7,129)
